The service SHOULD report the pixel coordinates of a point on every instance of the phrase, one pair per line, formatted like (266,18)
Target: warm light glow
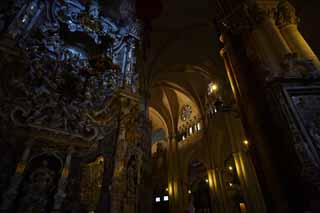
(210,178)
(230,184)
(165,198)
(190,130)
(189,191)
(245,142)
(100,159)
(183,137)
(157,199)
(167,189)
(199,126)
(212,87)
(243,208)
(230,168)
(170,188)
(207,181)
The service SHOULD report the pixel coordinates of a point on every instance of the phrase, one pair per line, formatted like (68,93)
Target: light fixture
(230,168)
(212,87)
(157,199)
(207,181)
(167,189)
(230,184)
(246,142)
(189,191)
(165,198)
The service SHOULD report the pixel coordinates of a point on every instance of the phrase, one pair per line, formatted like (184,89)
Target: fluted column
(269,44)
(11,194)
(288,25)
(218,191)
(244,167)
(61,194)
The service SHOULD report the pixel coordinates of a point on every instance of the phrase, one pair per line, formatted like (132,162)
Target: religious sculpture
(66,64)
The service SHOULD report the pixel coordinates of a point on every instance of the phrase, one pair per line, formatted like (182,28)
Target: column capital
(263,10)
(286,14)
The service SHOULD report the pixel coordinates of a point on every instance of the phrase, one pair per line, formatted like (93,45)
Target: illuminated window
(166,198)
(157,199)
(186,112)
(190,130)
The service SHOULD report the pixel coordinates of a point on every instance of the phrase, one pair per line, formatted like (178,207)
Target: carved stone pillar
(175,179)
(216,184)
(271,108)
(61,194)
(132,166)
(244,166)
(11,194)
(246,84)
(287,22)
(269,44)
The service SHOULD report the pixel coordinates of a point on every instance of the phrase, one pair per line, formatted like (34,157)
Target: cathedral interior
(140,106)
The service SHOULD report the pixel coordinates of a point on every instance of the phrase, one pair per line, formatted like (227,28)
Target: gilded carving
(91,183)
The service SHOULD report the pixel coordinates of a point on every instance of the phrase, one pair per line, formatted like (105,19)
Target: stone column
(61,194)
(287,22)
(11,194)
(217,186)
(269,44)
(174,175)
(247,86)
(244,166)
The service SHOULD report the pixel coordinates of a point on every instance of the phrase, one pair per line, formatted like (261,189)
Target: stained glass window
(186,112)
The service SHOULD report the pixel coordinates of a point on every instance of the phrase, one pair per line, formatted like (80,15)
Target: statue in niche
(39,189)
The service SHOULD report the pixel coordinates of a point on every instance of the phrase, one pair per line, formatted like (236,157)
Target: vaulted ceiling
(183,57)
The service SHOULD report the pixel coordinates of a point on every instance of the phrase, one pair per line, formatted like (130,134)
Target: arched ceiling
(167,101)
(183,58)
(183,35)
(158,121)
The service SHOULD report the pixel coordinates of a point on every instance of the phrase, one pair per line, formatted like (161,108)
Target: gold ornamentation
(91,183)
